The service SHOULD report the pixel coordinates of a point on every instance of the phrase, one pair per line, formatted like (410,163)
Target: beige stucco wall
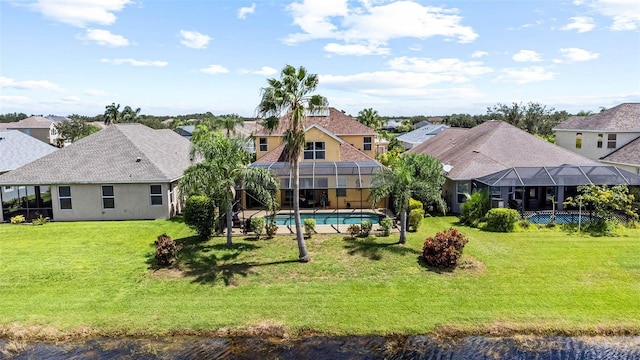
(132,202)
(358,142)
(315,134)
(589,148)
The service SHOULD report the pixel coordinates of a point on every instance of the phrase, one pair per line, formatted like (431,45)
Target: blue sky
(401,58)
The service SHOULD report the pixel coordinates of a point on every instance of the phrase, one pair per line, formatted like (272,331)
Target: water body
(334,348)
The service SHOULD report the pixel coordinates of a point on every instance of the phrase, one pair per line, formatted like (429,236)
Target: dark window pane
(64,191)
(156,200)
(65,203)
(341,192)
(320,154)
(107,190)
(108,203)
(156,189)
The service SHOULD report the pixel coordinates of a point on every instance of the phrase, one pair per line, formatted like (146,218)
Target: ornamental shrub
(166,250)
(415,219)
(199,214)
(386,223)
(502,220)
(40,220)
(353,229)
(415,204)
(18,219)
(309,226)
(444,249)
(475,208)
(257,225)
(365,227)
(271,229)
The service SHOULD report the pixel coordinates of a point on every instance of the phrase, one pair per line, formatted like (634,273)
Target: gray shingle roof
(18,149)
(493,146)
(110,156)
(624,117)
(421,134)
(628,154)
(32,122)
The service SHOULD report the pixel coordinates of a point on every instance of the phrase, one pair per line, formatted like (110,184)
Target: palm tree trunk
(302,247)
(229,224)
(403,227)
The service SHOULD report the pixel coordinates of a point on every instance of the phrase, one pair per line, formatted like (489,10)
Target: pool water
(329,218)
(561,218)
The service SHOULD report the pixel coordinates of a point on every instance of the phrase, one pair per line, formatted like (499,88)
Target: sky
(401,58)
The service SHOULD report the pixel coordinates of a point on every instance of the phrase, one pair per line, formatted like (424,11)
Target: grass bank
(97,278)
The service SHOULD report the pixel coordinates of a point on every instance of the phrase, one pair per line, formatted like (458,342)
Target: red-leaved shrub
(166,250)
(444,249)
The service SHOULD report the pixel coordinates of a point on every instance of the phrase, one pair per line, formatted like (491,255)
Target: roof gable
(628,154)
(18,149)
(624,117)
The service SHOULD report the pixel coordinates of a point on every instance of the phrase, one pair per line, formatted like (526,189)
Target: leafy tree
(533,117)
(75,129)
(463,120)
(12,117)
(370,118)
(222,168)
(228,123)
(414,175)
(604,200)
(112,114)
(129,115)
(290,98)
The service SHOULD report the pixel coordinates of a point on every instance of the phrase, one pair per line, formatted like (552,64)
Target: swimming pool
(561,218)
(329,218)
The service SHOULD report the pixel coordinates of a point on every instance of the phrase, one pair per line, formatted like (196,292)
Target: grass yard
(98,278)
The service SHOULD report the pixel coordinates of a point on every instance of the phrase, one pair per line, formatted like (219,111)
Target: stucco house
(126,171)
(337,163)
(38,127)
(610,136)
(493,146)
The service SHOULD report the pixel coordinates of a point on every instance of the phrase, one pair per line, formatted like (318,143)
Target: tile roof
(32,122)
(18,149)
(110,156)
(624,117)
(493,146)
(347,153)
(421,134)
(335,122)
(628,154)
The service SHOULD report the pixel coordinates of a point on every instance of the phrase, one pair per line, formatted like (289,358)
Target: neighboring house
(39,127)
(604,136)
(416,137)
(185,131)
(18,149)
(420,124)
(392,125)
(126,171)
(493,146)
(337,165)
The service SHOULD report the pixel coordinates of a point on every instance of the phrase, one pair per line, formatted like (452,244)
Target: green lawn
(97,278)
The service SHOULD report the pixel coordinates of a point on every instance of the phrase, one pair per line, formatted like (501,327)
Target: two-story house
(38,127)
(611,136)
(337,164)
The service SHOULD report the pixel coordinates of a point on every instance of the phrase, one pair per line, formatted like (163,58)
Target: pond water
(334,348)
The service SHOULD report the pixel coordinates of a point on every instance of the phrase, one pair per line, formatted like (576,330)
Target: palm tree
(289,99)
(128,114)
(229,123)
(112,114)
(222,168)
(370,118)
(413,175)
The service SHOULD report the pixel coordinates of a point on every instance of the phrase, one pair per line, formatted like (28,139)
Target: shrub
(199,214)
(353,229)
(415,219)
(444,249)
(18,219)
(415,204)
(502,220)
(365,227)
(166,250)
(40,220)
(524,224)
(386,223)
(257,225)
(309,226)
(271,229)
(475,208)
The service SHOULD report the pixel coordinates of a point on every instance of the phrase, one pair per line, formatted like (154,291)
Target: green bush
(199,214)
(365,227)
(18,219)
(40,220)
(309,226)
(166,250)
(475,208)
(353,229)
(415,219)
(524,224)
(257,225)
(415,204)
(502,220)
(444,249)
(386,223)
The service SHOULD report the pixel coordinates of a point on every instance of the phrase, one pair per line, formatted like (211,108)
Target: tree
(228,123)
(112,114)
(129,115)
(289,99)
(604,200)
(222,168)
(533,117)
(75,129)
(414,175)
(370,118)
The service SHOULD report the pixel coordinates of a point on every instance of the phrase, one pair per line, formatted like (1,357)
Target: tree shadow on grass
(373,250)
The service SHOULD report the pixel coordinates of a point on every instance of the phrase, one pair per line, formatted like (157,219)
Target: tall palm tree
(222,168)
(370,118)
(128,114)
(289,99)
(112,114)
(229,123)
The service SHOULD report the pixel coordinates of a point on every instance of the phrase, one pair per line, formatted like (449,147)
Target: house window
(108,197)
(263,144)
(600,141)
(53,131)
(64,196)
(155,192)
(462,189)
(341,189)
(314,150)
(578,140)
(611,141)
(367,143)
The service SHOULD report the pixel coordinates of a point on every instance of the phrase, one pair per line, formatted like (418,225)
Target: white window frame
(311,148)
(105,197)
(612,143)
(153,195)
(60,198)
(466,190)
(367,145)
(264,145)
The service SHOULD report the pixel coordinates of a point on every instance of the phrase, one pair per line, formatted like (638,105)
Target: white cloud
(576,54)
(244,11)
(580,24)
(526,56)
(372,26)
(10,99)
(524,75)
(104,37)
(71,99)
(80,13)
(479,54)
(29,84)
(265,70)
(454,69)
(194,39)
(625,14)
(214,69)
(415,47)
(134,62)
(356,49)
(95,92)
